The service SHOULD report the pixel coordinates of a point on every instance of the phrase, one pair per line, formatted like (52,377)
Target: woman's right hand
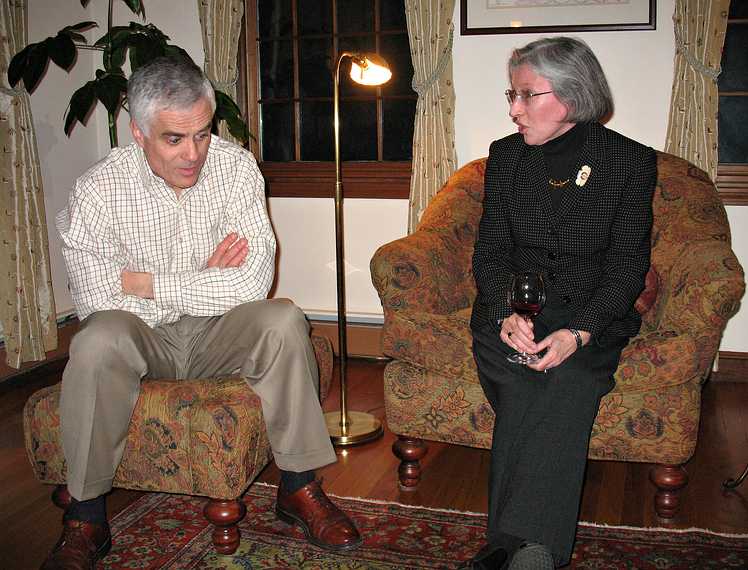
(517,333)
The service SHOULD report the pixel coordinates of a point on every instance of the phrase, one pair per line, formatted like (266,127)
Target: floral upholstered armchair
(693,287)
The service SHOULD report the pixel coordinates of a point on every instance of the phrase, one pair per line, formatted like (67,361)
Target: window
(732,171)
(292,48)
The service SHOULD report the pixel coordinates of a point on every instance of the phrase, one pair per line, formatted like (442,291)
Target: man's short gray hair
(574,73)
(168,82)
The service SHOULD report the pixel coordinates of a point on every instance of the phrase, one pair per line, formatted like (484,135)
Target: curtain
(430,30)
(221,22)
(700,27)
(27,307)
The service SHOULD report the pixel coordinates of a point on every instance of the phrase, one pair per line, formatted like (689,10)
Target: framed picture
(541,16)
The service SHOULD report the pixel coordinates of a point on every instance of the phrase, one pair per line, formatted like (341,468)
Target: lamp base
(362,427)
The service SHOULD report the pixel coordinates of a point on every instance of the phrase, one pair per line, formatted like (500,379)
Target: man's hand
(137,283)
(231,252)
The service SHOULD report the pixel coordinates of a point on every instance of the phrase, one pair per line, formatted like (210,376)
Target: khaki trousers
(266,342)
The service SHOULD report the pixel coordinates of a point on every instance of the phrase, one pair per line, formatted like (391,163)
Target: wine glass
(526,297)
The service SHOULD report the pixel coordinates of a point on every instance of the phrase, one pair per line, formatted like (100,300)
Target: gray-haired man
(170,255)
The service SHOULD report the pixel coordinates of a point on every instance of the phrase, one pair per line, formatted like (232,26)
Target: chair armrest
(702,292)
(427,271)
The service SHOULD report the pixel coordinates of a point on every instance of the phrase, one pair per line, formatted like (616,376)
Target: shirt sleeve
(94,259)
(628,255)
(208,292)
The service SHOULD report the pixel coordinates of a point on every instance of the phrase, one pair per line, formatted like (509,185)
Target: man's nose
(190,151)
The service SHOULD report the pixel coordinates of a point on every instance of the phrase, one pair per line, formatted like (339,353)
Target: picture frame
(480,17)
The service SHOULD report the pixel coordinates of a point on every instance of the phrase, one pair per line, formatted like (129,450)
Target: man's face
(177,144)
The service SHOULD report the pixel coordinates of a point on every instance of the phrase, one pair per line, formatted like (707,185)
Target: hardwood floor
(454,476)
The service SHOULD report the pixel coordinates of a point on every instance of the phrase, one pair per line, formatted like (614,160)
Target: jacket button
(566,299)
(551,255)
(551,275)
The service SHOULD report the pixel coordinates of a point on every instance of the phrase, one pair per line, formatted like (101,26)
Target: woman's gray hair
(168,82)
(574,73)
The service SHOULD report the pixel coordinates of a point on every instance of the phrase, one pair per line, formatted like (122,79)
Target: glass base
(522,358)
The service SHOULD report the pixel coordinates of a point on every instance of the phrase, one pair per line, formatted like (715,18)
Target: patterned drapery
(27,307)
(700,27)
(430,30)
(221,21)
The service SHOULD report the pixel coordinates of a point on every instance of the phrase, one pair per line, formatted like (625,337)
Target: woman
(569,199)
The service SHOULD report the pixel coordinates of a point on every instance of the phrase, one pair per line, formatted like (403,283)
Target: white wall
(639,67)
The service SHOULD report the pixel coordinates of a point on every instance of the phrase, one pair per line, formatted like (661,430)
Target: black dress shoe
(532,556)
(490,557)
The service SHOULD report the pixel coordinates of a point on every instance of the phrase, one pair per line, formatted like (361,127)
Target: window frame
(732,178)
(312,179)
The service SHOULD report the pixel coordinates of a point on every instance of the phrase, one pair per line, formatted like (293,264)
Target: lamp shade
(370,69)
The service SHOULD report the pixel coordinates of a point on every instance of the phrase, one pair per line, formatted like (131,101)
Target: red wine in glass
(526,297)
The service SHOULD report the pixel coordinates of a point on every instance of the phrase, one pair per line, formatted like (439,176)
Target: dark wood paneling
(317,179)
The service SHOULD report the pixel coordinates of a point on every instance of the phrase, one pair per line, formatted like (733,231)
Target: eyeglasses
(524,96)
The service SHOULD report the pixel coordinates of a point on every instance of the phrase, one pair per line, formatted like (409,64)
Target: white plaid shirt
(122,216)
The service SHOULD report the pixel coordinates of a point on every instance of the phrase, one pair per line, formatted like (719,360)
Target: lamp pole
(346,428)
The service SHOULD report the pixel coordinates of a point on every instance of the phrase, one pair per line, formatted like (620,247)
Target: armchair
(693,287)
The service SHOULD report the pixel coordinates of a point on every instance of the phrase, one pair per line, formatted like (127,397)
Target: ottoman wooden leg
(225,515)
(410,451)
(669,480)
(61,498)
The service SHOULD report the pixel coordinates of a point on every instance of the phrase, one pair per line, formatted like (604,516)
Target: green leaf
(18,65)
(108,92)
(136,6)
(144,49)
(81,26)
(80,105)
(63,51)
(174,51)
(116,36)
(84,2)
(36,63)
(226,105)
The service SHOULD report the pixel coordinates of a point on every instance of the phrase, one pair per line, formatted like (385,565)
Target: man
(170,255)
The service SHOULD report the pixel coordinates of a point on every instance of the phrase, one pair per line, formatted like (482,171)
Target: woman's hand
(518,333)
(560,345)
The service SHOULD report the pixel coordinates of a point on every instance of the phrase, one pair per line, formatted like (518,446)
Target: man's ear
(137,134)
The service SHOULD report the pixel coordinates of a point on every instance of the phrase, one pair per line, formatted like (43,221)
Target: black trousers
(541,435)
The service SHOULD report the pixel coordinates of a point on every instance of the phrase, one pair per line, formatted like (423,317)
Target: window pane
(315,74)
(733,126)
(399,116)
(277,131)
(274,18)
(393,16)
(358,130)
(396,50)
(276,70)
(315,16)
(355,16)
(738,9)
(734,76)
(363,44)
(316,131)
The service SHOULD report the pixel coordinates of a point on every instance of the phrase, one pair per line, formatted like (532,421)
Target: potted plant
(140,43)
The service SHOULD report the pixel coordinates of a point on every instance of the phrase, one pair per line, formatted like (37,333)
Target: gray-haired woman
(569,200)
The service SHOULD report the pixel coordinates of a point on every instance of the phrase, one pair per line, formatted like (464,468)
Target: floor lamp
(348,427)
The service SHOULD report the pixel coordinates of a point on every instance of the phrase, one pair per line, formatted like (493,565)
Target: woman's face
(540,118)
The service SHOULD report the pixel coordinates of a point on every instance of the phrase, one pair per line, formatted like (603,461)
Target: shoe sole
(290,518)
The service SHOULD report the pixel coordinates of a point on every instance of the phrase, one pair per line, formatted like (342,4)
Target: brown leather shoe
(80,546)
(324,524)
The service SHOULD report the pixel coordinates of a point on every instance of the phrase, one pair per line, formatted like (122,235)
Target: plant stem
(112,130)
(92,48)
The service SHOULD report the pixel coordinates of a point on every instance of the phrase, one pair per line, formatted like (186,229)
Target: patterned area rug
(169,531)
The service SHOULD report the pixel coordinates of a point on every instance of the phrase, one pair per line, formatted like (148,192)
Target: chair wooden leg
(669,480)
(410,451)
(61,498)
(225,515)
